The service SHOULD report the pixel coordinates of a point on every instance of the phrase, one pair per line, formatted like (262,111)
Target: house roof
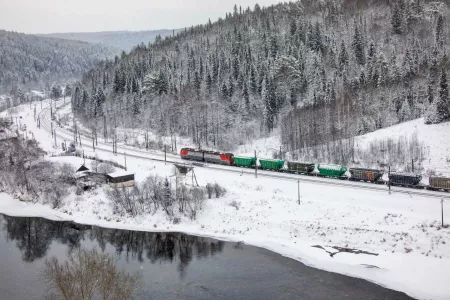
(82,168)
(120,173)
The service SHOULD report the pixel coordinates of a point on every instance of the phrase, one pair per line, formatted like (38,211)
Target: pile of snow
(330,167)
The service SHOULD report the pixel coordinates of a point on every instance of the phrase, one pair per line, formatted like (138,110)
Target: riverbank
(172,265)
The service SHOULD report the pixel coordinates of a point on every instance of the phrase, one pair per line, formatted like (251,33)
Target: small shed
(121,179)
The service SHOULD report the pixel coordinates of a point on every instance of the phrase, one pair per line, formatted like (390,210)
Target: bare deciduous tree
(88,274)
(105,168)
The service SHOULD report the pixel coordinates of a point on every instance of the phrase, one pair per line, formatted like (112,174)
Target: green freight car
(331,170)
(241,161)
(298,167)
(271,164)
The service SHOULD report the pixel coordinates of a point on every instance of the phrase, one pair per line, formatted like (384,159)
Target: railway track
(324,181)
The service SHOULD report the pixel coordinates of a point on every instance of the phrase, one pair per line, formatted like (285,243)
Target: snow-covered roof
(119,173)
(81,174)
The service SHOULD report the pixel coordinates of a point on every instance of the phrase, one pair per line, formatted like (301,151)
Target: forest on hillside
(321,71)
(32,62)
(120,40)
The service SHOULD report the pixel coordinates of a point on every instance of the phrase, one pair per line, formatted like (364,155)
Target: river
(173,265)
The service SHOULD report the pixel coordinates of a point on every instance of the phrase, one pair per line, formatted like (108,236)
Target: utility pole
(412,164)
(256,166)
(52,128)
(75,131)
(176,185)
(105,131)
(281,154)
(298,190)
(125,160)
(389,179)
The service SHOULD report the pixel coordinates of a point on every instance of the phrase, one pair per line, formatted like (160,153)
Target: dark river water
(173,265)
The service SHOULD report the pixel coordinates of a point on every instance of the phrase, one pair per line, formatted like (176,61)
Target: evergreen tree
(224,91)
(136,105)
(100,100)
(440,31)
(293,28)
(235,67)
(209,83)
(397,19)
(230,88)
(318,38)
(343,57)
(68,91)
(56,92)
(430,93)
(358,46)
(438,111)
(197,83)
(443,101)
(273,46)
(405,111)
(246,96)
(253,81)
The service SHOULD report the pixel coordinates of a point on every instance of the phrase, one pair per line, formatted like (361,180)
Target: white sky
(48,16)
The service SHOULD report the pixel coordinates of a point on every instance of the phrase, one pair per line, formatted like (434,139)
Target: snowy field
(404,247)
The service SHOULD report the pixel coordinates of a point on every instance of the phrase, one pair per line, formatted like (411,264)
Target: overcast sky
(48,16)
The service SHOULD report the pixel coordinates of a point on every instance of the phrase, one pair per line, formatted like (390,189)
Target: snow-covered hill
(428,145)
(434,139)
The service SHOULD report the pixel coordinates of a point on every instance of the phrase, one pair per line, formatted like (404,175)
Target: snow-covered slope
(432,141)
(435,139)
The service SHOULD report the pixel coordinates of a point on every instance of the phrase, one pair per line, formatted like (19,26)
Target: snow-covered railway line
(67,135)
(45,122)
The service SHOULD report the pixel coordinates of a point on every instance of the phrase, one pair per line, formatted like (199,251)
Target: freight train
(323,170)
